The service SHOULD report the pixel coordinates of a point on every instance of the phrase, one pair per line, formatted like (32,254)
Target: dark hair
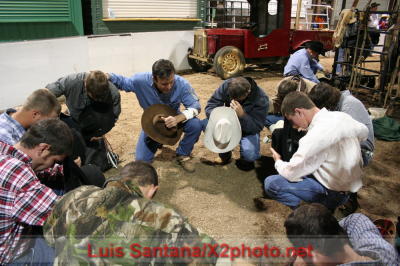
(285,86)
(97,86)
(44,101)
(144,173)
(162,69)
(296,99)
(324,95)
(313,224)
(238,87)
(51,131)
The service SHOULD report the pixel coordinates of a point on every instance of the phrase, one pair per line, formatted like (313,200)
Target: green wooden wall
(38,19)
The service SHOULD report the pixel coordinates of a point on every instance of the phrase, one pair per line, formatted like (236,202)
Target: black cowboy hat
(375,4)
(316,47)
(155,128)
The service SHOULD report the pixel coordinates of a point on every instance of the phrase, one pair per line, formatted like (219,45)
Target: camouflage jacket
(112,226)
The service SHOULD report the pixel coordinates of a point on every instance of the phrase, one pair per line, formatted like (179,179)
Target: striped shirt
(367,241)
(11,130)
(24,201)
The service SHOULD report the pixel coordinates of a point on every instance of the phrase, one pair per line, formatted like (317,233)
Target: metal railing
(312,19)
(227,14)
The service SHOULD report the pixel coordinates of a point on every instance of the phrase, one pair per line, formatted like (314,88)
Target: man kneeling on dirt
(87,94)
(251,106)
(354,240)
(327,164)
(305,63)
(25,202)
(120,219)
(163,86)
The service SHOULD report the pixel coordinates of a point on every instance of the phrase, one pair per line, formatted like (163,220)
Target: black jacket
(255,107)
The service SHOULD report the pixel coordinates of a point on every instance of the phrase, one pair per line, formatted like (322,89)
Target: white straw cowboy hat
(223,132)
(155,128)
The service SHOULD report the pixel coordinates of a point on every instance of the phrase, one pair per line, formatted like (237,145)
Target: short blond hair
(44,101)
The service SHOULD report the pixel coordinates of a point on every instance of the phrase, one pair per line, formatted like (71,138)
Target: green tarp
(386,128)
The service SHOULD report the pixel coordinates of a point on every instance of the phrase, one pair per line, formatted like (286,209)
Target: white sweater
(330,151)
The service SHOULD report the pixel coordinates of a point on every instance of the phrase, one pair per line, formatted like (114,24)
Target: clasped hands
(170,121)
(235,105)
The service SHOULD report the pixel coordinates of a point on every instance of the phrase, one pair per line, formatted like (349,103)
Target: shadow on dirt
(212,177)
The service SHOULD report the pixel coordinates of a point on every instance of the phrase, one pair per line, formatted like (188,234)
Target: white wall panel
(152,8)
(30,65)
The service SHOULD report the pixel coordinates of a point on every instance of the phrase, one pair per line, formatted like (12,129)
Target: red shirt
(24,201)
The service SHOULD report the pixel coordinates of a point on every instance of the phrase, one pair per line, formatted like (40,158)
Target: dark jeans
(146,147)
(308,190)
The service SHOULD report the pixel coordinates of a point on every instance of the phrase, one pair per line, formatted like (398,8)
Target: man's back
(114,216)
(333,138)
(330,151)
(24,201)
(356,109)
(255,105)
(73,88)
(301,63)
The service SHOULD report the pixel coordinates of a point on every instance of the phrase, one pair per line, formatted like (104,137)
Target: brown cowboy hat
(155,128)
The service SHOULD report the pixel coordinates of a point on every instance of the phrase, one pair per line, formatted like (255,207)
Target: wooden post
(355,3)
(298,14)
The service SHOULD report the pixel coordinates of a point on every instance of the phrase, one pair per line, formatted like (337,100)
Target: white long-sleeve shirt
(330,151)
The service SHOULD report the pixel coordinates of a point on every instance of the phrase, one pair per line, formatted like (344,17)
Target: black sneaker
(225,157)
(244,165)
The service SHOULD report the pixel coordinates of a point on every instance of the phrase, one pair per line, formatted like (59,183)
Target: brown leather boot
(186,162)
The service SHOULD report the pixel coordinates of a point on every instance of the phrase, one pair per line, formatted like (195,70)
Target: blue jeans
(250,148)
(40,254)
(146,147)
(340,58)
(272,119)
(309,190)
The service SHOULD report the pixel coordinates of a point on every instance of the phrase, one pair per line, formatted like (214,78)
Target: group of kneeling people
(100,223)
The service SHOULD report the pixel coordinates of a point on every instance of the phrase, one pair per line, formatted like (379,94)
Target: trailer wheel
(229,62)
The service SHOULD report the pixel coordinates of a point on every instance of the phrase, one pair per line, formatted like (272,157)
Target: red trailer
(268,39)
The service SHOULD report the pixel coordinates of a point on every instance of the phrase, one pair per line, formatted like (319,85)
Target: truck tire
(229,62)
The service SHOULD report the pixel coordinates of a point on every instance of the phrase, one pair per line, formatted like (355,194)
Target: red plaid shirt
(24,201)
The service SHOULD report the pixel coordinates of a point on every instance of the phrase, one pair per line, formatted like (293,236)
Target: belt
(344,193)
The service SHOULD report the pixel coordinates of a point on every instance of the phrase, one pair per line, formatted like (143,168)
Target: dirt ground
(219,199)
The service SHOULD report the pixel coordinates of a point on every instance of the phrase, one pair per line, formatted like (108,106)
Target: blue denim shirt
(10,130)
(301,63)
(147,94)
